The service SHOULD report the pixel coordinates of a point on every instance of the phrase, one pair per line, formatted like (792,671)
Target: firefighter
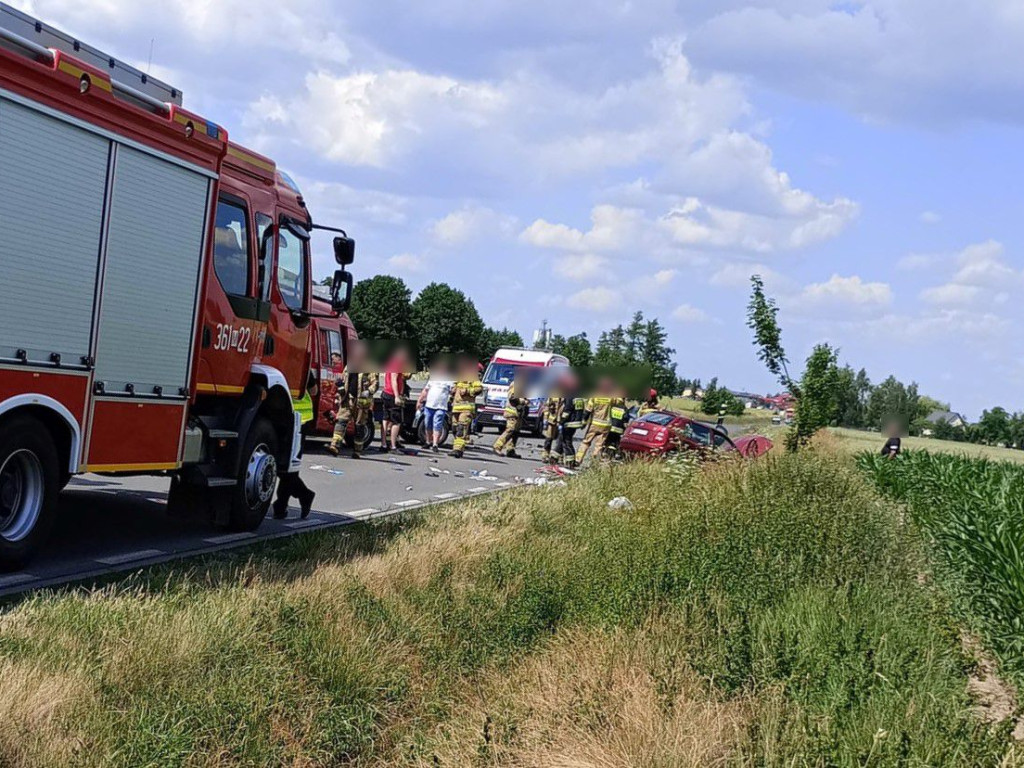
(649,405)
(552,414)
(353,402)
(516,409)
(467,389)
(618,416)
(598,411)
(573,419)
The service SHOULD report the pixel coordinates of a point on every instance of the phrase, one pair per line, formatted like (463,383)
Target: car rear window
(661,419)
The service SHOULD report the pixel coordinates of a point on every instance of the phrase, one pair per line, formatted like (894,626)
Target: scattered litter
(408,487)
(328,470)
(460,474)
(621,502)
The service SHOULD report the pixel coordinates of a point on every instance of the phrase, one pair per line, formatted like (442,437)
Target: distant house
(950,417)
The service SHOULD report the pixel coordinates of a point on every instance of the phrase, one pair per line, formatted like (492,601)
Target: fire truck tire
(29,484)
(257,478)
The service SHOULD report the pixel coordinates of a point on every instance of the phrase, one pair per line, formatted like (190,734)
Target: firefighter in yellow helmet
(516,408)
(467,389)
(599,412)
(552,412)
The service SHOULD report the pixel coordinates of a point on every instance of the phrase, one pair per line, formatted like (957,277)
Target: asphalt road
(107,525)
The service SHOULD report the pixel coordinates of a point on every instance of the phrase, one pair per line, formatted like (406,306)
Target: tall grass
(973,509)
(746,614)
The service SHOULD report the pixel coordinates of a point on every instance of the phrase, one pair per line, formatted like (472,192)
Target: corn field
(973,512)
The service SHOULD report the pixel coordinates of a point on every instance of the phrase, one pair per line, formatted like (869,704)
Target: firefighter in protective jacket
(573,418)
(464,396)
(516,409)
(552,413)
(599,411)
(352,404)
(650,405)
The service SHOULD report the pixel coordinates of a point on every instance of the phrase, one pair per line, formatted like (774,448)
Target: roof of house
(947,416)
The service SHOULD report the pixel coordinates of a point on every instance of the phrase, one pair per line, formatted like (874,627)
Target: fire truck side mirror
(344,250)
(341,291)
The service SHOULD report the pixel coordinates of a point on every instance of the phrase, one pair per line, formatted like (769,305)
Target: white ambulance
(499,374)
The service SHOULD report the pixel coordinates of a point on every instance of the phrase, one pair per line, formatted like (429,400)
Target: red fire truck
(156,283)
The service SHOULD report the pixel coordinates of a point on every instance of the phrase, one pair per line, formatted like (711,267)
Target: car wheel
(30,478)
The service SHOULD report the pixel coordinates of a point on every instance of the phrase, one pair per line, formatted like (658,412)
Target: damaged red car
(664,432)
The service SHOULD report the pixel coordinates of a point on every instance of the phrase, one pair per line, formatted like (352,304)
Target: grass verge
(745,614)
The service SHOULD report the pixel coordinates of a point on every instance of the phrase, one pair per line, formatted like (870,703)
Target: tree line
(828,394)
(443,320)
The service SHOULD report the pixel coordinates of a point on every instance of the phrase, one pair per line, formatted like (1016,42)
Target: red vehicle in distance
(663,433)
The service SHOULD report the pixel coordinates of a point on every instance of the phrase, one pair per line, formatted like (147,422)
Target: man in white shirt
(434,400)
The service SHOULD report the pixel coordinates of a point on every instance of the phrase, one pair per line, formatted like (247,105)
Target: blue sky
(575,162)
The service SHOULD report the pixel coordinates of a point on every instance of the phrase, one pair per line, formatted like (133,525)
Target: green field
(744,614)
(855,440)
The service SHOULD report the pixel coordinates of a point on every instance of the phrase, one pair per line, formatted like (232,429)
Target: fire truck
(156,292)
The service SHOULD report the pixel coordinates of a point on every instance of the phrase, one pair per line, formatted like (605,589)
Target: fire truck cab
(157,292)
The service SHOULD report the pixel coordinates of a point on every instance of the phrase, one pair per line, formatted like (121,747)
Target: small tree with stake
(817,393)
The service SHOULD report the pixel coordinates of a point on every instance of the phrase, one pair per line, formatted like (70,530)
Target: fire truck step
(220,482)
(223,434)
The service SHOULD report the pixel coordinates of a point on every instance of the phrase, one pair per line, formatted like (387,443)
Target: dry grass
(747,614)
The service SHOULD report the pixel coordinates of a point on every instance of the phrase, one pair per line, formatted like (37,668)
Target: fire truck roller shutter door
(53,179)
(154,253)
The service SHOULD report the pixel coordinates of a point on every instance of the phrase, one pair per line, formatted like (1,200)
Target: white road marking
(353,513)
(128,557)
(478,489)
(444,496)
(503,484)
(408,503)
(227,538)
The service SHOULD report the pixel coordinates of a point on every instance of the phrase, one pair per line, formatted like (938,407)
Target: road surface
(106,525)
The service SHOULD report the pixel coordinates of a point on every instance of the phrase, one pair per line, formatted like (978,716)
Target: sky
(576,162)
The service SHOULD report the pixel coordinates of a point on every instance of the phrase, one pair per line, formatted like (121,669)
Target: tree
(575,348)
(819,395)
(893,401)
(994,427)
(853,392)
(446,322)
(718,399)
(612,348)
(762,319)
(382,309)
(492,340)
(657,355)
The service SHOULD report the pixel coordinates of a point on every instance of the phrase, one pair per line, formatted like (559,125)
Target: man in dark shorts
(893,445)
(393,399)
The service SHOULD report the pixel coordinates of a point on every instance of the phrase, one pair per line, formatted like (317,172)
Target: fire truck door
(152,264)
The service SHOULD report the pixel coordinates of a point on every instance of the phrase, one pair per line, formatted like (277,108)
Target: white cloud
(951,294)
(982,274)
(896,59)
(582,267)
(407,262)
(471,223)
(849,291)
(599,299)
(611,229)
(686,313)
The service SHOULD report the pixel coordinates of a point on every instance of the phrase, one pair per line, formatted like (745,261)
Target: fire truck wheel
(257,477)
(29,484)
